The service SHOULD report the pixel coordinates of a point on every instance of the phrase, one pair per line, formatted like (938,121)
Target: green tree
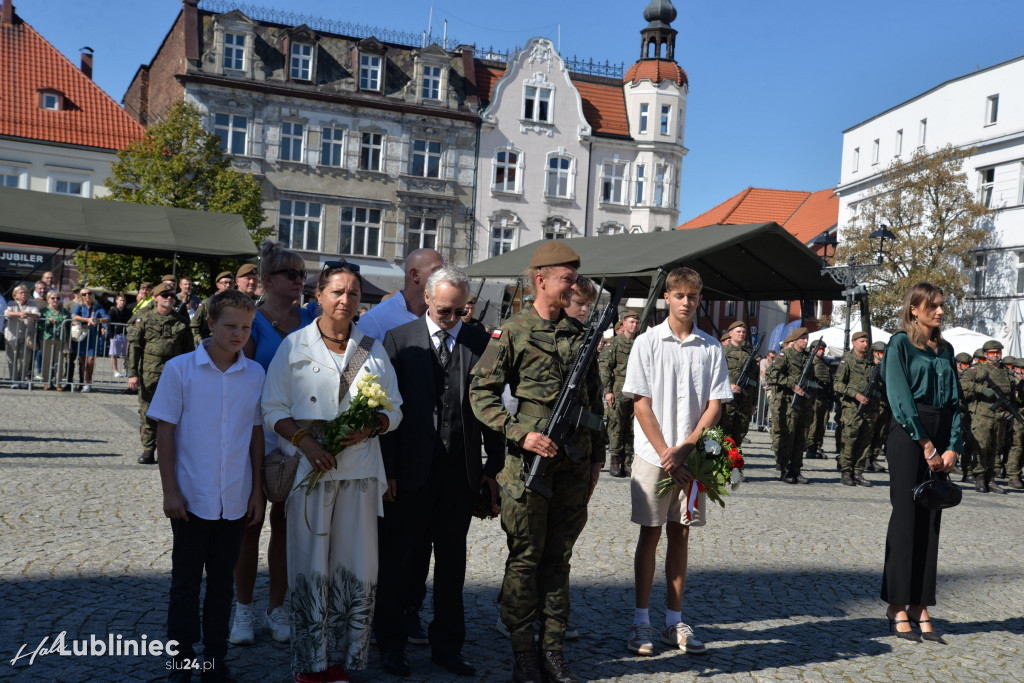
(937,221)
(178,163)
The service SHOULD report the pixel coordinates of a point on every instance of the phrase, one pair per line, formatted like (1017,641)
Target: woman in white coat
(332,562)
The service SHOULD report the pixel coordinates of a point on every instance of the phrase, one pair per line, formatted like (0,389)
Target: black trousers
(198,544)
(438,513)
(912,542)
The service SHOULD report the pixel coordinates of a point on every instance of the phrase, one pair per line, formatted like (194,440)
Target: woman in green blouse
(50,332)
(923,392)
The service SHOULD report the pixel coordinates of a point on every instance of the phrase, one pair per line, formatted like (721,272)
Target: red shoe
(312,677)
(335,674)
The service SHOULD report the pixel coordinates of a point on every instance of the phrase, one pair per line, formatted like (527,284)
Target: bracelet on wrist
(298,436)
(935,454)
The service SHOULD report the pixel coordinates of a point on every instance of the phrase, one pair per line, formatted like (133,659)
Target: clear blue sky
(772,84)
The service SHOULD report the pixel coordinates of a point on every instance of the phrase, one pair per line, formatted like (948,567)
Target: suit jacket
(409,451)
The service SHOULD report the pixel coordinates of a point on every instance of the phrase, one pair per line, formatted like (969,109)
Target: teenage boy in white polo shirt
(210,443)
(678,378)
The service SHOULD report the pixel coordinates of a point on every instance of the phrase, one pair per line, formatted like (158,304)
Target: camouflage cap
(554,253)
(858,335)
(245,270)
(221,276)
(165,286)
(878,346)
(978,353)
(1018,362)
(795,334)
(992,345)
(963,358)
(738,323)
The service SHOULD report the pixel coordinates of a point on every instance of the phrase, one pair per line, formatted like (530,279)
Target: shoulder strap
(273,324)
(354,363)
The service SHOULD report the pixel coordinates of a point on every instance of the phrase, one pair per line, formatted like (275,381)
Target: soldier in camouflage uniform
(852,378)
(620,408)
(965,374)
(988,420)
(1013,463)
(156,336)
(736,414)
(880,432)
(776,411)
(822,402)
(533,352)
(200,327)
(789,456)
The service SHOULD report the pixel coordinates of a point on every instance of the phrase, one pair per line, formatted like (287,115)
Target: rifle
(872,390)
(743,380)
(1002,400)
(805,375)
(568,415)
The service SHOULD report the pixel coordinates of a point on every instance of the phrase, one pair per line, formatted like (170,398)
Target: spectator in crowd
(583,299)
(120,314)
(188,302)
(39,295)
(282,274)
(144,297)
(210,439)
(469,318)
(246,279)
(20,335)
(332,526)
(924,396)
(90,315)
(47,278)
(51,343)
(74,300)
(200,330)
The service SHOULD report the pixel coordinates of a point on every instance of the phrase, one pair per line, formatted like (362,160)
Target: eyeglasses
(85,293)
(445,312)
(291,273)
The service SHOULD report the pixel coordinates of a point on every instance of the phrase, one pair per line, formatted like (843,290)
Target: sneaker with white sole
(242,629)
(682,636)
(117,375)
(86,388)
(276,624)
(640,640)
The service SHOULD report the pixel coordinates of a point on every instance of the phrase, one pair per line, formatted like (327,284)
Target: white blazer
(302,383)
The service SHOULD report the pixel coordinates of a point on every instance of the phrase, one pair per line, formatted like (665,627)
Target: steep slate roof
(89,117)
(805,215)
(604,104)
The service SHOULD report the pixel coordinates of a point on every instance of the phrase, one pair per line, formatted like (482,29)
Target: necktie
(443,354)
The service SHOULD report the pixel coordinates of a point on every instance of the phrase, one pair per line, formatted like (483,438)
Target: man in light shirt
(408,303)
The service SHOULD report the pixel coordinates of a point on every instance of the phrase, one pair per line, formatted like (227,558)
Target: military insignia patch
(496,334)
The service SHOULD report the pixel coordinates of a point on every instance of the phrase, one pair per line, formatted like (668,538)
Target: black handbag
(937,492)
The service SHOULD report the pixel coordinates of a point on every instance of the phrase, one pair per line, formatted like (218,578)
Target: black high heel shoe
(930,636)
(912,636)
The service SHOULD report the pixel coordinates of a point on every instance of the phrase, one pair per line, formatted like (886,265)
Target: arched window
(560,173)
(507,164)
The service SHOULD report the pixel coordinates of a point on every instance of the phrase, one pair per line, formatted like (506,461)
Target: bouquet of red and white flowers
(717,467)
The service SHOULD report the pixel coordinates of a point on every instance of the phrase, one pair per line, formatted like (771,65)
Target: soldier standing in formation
(620,408)
(156,336)
(1013,462)
(776,411)
(880,430)
(533,352)
(783,376)
(988,418)
(822,403)
(200,327)
(737,413)
(852,378)
(965,374)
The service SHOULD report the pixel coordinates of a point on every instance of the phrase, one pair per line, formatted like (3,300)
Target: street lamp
(882,234)
(849,275)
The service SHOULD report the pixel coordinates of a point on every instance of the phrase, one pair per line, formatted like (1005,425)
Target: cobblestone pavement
(783,583)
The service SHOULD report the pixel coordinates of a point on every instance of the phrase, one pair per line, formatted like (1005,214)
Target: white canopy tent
(965,340)
(1010,333)
(833,337)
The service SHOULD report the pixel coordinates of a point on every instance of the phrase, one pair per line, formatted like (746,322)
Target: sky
(773,84)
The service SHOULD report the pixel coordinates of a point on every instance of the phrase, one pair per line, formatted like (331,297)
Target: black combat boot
(1016,483)
(847,480)
(525,668)
(811,454)
(992,486)
(979,484)
(615,469)
(556,669)
(858,477)
(799,478)
(627,465)
(147,457)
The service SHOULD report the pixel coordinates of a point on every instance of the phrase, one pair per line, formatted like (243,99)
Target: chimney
(190,10)
(87,62)
(7,12)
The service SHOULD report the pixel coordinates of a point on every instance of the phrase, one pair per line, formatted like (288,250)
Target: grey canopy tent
(754,262)
(56,220)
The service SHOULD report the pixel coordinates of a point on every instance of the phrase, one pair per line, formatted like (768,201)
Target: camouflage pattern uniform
(970,454)
(153,339)
(620,416)
(534,356)
(792,433)
(736,414)
(1013,462)
(852,378)
(988,421)
(199,325)
(880,432)
(819,413)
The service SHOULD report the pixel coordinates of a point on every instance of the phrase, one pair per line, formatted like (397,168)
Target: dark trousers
(198,544)
(912,543)
(438,513)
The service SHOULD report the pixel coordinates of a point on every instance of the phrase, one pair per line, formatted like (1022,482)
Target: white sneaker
(639,641)
(242,628)
(276,624)
(681,636)
(117,375)
(86,388)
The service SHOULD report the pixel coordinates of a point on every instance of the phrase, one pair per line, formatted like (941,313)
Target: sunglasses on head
(291,273)
(331,265)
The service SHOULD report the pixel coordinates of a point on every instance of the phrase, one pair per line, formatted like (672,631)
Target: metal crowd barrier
(34,363)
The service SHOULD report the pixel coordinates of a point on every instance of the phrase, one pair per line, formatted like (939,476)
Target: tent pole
(653,292)
(85,275)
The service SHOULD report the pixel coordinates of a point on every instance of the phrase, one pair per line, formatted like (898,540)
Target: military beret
(554,253)
(878,346)
(738,323)
(246,269)
(724,337)
(165,278)
(978,353)
(629,313)
(963,358)
(165,286)
(992,345)
(859,335)
(226,273)
(795,334)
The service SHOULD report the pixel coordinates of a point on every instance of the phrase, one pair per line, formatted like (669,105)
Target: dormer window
(52,101)
(369,72)
(431,83)
(234,51)
(301,62)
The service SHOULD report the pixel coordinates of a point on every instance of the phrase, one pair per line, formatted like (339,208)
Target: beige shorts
(649,510)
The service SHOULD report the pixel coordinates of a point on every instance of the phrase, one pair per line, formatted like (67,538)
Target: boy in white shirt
(210,443)
(678,378)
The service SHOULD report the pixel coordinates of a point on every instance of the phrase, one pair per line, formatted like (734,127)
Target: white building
(983,110)
(566,155)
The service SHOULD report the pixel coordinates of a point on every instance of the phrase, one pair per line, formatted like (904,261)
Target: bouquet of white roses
(716,465)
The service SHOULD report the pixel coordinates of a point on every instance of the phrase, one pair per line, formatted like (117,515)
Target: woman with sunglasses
(282,274)
(90,314)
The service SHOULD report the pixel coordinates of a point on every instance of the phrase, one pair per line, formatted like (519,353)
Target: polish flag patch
(496,334)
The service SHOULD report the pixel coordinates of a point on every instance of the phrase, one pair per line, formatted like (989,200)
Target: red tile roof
(805,215)
(88,117)
(656,70)
(604,104)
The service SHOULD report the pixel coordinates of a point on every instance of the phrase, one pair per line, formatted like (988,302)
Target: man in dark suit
(434,471)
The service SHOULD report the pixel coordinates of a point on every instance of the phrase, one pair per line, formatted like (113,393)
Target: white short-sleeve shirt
(214,412)
(680,378)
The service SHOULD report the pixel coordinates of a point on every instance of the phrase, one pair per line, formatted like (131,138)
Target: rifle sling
(538,410)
